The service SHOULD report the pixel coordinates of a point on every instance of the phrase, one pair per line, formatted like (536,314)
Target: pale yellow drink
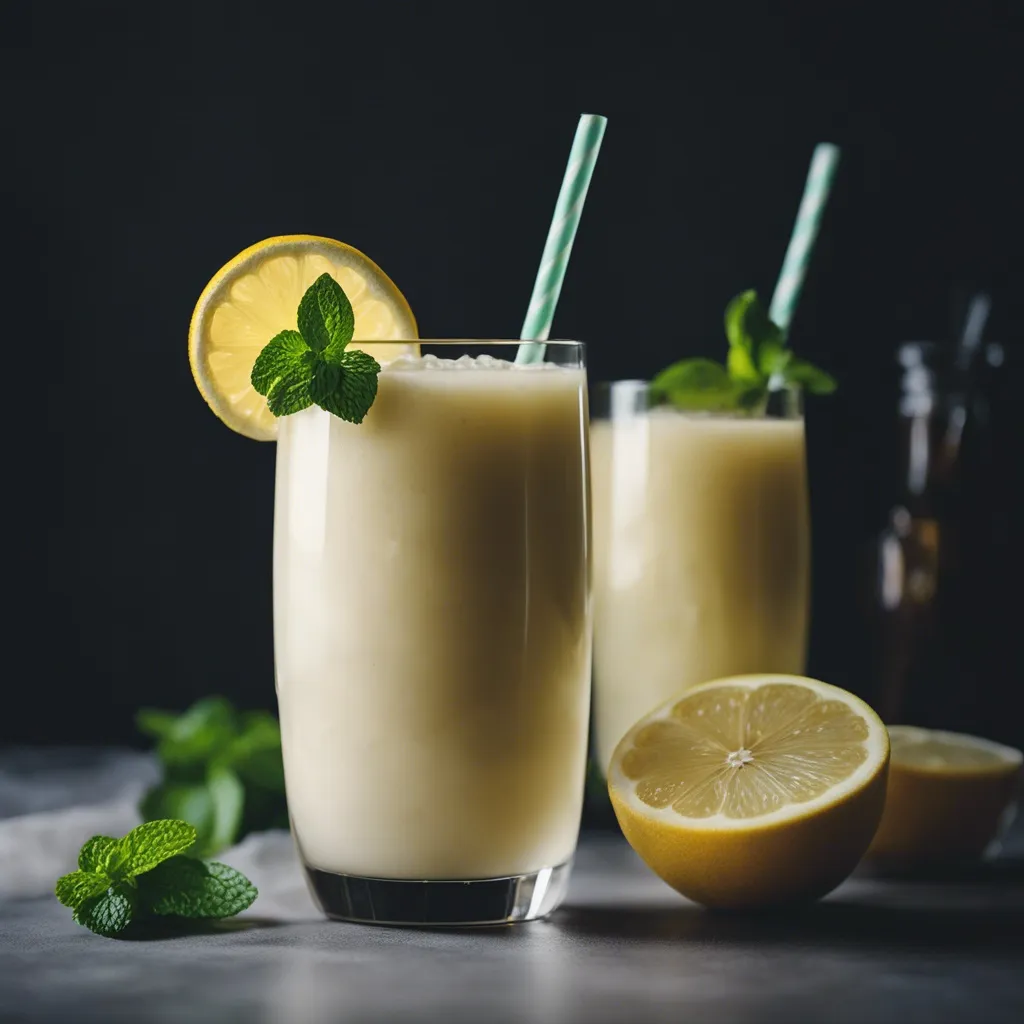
(432,623)
(701,557)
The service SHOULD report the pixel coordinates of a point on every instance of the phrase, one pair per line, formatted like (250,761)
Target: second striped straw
(805,231)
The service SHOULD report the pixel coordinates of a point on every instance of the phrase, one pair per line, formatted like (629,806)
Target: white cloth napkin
(53,800)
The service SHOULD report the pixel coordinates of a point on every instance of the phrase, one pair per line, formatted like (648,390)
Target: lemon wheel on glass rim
(255,295)
(752,791)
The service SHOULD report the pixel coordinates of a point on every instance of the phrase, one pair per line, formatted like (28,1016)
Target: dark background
(147,144)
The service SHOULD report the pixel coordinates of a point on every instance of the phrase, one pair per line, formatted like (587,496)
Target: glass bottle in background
(931,592)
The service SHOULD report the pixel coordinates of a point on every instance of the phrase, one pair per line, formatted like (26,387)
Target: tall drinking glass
(432,636)
(701,550)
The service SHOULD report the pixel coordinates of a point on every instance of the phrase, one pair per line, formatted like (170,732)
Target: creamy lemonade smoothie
(431,576)
(431,621)
(701,556)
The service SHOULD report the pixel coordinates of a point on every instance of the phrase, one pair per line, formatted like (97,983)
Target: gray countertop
(624,948)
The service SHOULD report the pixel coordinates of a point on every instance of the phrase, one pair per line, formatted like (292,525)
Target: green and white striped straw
(805,231)
(564,222)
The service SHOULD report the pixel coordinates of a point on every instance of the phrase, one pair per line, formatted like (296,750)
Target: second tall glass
(701,550)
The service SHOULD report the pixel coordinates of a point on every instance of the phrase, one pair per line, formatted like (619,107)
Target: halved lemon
(752,791)
(256,295)
(949,796)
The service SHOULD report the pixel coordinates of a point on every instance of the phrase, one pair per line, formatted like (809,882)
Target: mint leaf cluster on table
(145,875)
(313,365)
(759,361)
(222,771)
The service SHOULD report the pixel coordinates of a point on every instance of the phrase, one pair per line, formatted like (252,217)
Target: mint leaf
(283,371)
(325,317)
(155,723)
(750,333)
(74,889)
(151,873)
(96,854)
(356,388)
(152,842)
(691,373)
(187,801)
(747,324)
(697,385)
(196,748)
(772,359)
(109,913)
(263,768)
(296,369)
(258,732)
(189,888)
(754,339)
(197,733)
(228,798)
(291,393)
(740,359)
(213,806)
(279,357)
(818,382)
(256,753)
(326,380)
(758,361)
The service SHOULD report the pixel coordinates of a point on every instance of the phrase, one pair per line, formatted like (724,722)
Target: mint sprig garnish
(312,365)
(759,361)
(222,771)
(145,874)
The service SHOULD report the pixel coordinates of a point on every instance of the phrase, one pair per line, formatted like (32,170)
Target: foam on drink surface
(430,362)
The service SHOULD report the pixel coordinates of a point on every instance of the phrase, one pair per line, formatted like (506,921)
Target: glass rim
(481,342)
(641,383)
(603,393)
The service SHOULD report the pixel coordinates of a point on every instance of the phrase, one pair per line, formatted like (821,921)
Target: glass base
(449,903)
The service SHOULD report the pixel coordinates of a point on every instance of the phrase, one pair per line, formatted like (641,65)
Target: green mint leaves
(702,385)
(145,847)
(312,366)
(145,874)
(222,772)
(758,362)
(184,887)
(325,317)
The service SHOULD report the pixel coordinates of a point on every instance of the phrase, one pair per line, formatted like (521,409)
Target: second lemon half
(754,790)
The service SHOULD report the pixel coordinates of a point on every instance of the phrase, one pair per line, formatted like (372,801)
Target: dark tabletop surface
(624,948)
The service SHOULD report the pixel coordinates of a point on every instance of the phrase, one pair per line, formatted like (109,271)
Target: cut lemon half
(754,790)
(949,797)
(256,295)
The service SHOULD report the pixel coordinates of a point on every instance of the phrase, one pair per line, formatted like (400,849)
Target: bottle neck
(917,448)
(931,417)
(930,449)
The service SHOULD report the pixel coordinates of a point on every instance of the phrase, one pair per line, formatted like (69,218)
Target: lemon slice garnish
(256,295)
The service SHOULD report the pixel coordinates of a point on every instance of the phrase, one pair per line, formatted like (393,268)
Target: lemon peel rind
(1009,759)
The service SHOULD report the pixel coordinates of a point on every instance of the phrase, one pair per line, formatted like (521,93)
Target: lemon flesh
(950,797)
(752,791)
(256,295)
